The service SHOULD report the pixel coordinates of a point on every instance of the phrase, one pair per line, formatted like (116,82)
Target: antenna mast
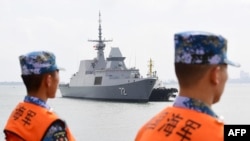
(100,42)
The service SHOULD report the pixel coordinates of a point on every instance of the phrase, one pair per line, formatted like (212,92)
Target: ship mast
(100,42)
(151,73)
(100,60)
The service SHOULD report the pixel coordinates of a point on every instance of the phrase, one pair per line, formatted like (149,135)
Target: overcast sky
(142,29)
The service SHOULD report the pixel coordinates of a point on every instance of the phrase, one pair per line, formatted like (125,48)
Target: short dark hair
(33,82)
(190,74)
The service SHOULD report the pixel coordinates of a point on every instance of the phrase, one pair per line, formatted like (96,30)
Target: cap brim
(231,63)
(61,69)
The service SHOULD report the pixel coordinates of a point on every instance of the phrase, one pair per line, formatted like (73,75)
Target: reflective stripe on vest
(30,121)
(179,124)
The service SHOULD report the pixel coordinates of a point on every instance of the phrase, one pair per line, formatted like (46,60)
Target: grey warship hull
(138,91)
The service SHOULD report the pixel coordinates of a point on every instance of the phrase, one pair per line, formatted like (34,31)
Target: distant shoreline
(230,81)
(11,83)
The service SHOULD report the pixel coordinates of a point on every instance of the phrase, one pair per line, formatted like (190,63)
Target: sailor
(33,119)
(201,69)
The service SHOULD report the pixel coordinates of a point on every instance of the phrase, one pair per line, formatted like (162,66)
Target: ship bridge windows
(98,80)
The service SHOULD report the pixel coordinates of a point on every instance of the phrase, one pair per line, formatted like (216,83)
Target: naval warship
(108,79)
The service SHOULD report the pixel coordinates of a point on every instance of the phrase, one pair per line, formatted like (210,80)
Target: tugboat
(160,92)
(108,79)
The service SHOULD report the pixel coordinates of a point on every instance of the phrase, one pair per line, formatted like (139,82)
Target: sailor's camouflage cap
(38,62)
(198,47)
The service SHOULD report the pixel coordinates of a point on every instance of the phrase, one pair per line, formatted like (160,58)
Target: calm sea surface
(112,121)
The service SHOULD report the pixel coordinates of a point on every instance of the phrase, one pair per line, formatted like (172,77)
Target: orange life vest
(179,124)
(30,122)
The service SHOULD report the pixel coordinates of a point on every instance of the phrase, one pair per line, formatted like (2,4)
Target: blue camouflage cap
(38,62)
(197,47)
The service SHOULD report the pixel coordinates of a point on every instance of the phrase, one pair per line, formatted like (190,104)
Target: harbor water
(115,121)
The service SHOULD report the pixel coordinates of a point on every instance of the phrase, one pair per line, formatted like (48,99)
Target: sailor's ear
(215,75)
(48,80)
